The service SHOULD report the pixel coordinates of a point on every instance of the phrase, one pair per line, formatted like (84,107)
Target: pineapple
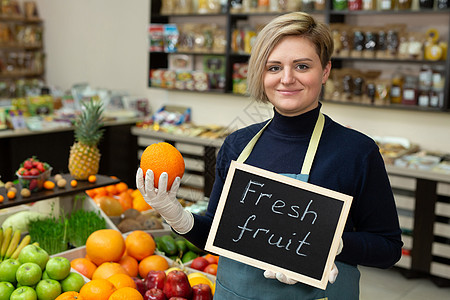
(84,157)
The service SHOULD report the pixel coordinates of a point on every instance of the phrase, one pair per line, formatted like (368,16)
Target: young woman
(289,64)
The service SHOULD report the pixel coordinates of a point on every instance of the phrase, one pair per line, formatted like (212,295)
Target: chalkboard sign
(274,222)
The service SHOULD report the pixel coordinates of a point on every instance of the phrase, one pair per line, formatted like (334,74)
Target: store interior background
(104,43)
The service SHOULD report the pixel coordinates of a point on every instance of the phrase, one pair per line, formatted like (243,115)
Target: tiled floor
(379,284)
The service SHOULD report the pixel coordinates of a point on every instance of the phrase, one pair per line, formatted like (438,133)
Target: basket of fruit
(33,173)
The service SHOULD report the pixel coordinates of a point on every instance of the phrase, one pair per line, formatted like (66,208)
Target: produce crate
(68,205)
(81,252)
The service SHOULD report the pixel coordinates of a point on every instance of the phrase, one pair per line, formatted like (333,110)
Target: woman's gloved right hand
(163,201)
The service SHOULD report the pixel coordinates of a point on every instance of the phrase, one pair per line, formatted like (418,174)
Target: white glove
(284,279)
(165,202)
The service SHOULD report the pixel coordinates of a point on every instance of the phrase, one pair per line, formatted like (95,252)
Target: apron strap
(310,153)
(248,149)
(313,144)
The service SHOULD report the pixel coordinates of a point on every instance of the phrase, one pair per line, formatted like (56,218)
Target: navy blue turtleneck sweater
(346,161)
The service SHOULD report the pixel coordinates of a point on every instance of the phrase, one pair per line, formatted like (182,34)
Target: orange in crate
(83,266)
(130,264)
(105,245)
(122,280)
(126,293)
(140,244)
(107,269)
(97,289)
(152,263)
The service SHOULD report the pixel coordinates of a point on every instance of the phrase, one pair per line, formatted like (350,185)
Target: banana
(13,244)
(25,241)
(6,240)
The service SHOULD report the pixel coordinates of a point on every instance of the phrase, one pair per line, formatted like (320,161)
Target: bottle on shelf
(396,91)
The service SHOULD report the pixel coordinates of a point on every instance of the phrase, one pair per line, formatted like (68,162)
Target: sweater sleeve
(375,237)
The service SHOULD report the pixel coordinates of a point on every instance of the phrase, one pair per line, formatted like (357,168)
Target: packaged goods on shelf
(392,148)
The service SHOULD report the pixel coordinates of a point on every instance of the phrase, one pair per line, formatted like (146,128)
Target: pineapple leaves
(88,126)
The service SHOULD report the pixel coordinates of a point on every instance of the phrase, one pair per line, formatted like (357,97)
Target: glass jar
(424,98)
(387,4)
(397,87)
(339,4)
(319,4)
(307,5)
(410,91)
(354,4)
(426,4)
(443,4)
(369,4)
(425,77)
(404,4)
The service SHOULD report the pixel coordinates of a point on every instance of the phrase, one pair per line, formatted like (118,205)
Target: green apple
(28,274)
(48,289)
(6,289)
(8,269)
(34,254)
(45,275)
(24,293)
(73,282)
(57,268)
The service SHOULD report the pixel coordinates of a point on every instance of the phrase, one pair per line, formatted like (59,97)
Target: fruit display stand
(56,200)
(68,190)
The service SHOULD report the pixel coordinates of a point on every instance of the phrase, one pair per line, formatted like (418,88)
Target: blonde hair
(296,23)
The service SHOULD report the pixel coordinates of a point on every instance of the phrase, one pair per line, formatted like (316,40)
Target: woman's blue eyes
(277,68)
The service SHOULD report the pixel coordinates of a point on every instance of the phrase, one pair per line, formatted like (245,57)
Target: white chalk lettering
(244,228)
(262,195)
(278,204)
(258,230)
(302,242)
(290,241)
(272,239)
(294,209)
(247,189)
(307,211)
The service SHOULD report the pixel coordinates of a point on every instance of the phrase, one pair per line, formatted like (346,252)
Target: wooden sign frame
(215,241)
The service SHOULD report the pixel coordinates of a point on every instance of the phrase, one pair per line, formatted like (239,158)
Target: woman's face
(294,76)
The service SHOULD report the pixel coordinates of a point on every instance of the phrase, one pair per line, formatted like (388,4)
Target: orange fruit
(70,296)
(83,266)
(107,269)
(130,264)
(211,269)
(11,194)
(121,187)
(49,185)
(125,200)
(2,198)
(140,204)
(92,178)
(212,259)
(97,289)
(110,206)
(163,157)
(140,244)
(105,245)
(126,293)
(122,280)
(152,263)
(73,183)
(111,189)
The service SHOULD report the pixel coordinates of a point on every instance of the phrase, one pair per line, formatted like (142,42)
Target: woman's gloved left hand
(284,279)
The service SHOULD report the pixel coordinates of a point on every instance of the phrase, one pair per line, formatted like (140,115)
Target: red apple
(155,279)
(177,285)
(177,298)
(201,292)
(199,263)
(154,294)
(140,286)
